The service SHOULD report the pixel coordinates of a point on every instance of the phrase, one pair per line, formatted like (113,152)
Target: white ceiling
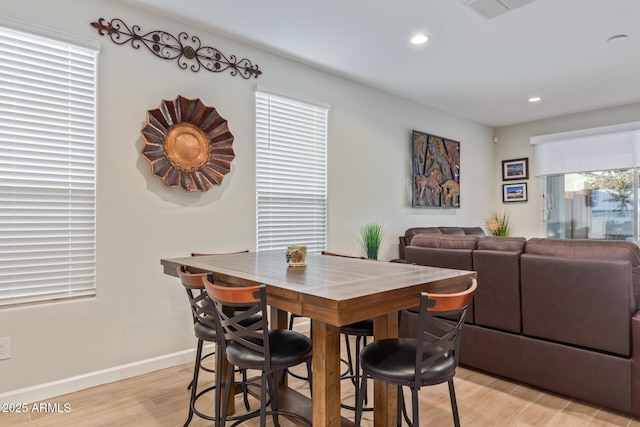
(482,69)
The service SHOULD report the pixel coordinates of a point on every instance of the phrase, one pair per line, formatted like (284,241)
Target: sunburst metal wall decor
(188,144)
(164,45)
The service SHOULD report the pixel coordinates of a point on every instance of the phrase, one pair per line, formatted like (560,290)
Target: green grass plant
(372,235)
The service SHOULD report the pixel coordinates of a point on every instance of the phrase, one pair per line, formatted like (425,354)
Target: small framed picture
(514,192)
(515,169)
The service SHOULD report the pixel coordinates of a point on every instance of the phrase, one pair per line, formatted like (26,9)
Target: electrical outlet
(5,348)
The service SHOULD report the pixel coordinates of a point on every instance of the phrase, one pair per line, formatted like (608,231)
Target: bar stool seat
(204,332)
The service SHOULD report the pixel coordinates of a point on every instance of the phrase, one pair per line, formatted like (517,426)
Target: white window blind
(604,148)
(291,172)
(47,169)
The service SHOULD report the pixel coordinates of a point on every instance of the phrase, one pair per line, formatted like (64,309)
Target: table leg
(385,396)
(326,374)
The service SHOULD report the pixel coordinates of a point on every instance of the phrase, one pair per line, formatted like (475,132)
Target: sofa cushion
(444,251)
(492,243)
(445,241)
(411,232)
(457,231)
(591,249)
(585,249)
(497,299)
(460,259)
(473,231)
(578,301)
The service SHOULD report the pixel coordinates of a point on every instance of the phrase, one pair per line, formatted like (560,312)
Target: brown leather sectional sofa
(558,314)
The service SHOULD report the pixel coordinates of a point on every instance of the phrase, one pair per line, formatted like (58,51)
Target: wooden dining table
(332,291)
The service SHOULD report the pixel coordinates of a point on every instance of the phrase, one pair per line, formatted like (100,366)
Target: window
(592,205)
(590,182)
(291,172)
(47,169)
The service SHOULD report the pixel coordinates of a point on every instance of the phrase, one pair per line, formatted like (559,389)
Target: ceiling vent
(491,8)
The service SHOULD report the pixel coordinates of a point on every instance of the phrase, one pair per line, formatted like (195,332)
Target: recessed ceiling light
(616,39)
(535,99)
(419,39)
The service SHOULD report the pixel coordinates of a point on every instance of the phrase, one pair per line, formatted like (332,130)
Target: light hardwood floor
(161,399)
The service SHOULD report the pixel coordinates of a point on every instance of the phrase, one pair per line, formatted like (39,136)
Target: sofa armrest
(401,247)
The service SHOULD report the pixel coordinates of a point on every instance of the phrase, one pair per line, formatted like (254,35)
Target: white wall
(140,313)
(513,143)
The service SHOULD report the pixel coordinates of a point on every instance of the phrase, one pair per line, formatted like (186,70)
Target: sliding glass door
(593,205)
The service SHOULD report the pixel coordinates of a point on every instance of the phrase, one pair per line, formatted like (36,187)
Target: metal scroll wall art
(187,51)
(188,144)
(435,171)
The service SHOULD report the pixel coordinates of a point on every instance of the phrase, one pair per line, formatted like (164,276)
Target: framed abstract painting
(435,176)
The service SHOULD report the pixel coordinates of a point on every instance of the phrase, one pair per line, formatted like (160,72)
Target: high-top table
(332,292)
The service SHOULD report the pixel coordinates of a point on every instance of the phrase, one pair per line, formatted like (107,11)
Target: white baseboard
(53,389)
